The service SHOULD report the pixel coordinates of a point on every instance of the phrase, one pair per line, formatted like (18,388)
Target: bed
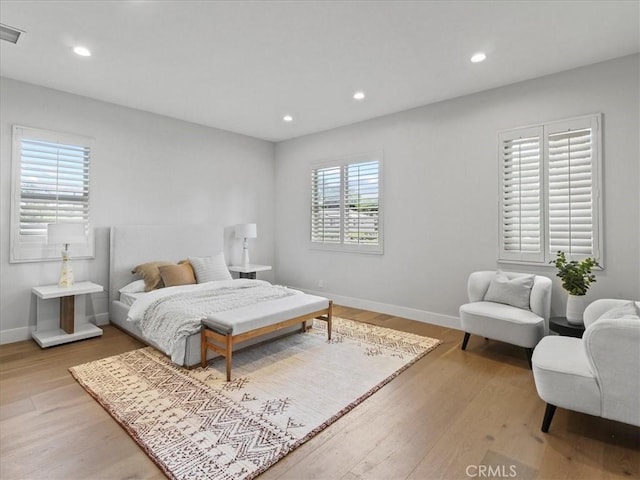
(271,312)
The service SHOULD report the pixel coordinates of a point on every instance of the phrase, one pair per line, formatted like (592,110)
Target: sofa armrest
(613,348)
(478,284)
(596,308)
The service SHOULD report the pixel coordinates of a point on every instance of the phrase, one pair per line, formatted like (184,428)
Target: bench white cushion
(252,317)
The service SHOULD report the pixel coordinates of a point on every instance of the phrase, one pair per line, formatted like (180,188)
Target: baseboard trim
(389,309)
(13,335)
(99,319)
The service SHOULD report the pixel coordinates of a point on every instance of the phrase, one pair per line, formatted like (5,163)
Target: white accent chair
(597,374)
(503,322)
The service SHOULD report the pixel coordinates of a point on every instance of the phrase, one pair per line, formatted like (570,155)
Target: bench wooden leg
(203,348)
(329,316)
(228,356)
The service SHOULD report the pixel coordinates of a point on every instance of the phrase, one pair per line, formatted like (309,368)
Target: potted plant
(576,278)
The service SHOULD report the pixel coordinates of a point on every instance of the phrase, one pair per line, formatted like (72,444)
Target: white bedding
(168,315)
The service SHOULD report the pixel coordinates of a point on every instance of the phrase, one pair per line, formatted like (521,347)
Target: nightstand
(250,270)
(70,323)
(563,327)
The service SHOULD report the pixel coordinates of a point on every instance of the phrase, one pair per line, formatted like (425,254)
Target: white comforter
(168,315)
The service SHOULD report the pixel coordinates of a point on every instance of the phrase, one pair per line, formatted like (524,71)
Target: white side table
(250,270)
(70,324)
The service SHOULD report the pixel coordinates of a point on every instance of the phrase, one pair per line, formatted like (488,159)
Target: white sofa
(598,374)
(506,323)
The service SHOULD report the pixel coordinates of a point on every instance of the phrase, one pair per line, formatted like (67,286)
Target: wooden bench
(220,333)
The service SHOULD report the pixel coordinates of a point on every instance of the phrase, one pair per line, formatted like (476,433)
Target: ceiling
(242,65)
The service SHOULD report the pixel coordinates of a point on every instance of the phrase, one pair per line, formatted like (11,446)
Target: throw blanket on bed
(169,315)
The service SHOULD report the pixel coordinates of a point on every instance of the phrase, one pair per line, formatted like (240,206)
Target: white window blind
(54,185)
(521,204)
(51,185)
(361,200)
(325,205)
(571,195)
(550,188)
(345,204)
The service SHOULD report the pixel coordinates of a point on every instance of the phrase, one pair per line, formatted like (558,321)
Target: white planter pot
(575,308)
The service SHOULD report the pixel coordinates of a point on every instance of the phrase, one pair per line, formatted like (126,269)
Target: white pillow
(515,292)
(628,310)
(136,286)
(208,269)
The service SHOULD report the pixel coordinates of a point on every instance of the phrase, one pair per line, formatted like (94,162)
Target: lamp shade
(246,230)
(66,233)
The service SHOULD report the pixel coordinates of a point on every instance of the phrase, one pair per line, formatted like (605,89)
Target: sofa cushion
(563,375)
(502,322)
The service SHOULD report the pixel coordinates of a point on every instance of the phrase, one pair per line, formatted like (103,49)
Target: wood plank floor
(452,415)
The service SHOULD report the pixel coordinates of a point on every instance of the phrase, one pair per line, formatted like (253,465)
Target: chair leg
(529,355)
(465,340)
(548,416)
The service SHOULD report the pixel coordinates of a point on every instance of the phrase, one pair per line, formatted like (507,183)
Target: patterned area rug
(195,425)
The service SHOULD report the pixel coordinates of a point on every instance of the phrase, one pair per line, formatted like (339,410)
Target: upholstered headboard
(132,245)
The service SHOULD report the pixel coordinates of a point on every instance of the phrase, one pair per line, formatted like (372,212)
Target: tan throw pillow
(151,274)
(174,275)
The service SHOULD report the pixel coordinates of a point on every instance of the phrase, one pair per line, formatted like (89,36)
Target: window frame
(341,163)
(594,121)
(35,249)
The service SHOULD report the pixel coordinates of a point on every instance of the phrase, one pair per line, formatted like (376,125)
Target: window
(50,185)
(346,204)
(550,191)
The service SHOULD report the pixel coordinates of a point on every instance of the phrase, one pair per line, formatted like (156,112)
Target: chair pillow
(174,275)
(515,292)
(628,310)
(208,269)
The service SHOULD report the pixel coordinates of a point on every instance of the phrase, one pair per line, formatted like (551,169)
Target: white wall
(441,190)
(146,169)
(441,194)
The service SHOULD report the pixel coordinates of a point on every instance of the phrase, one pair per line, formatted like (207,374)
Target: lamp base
(66,272)
(245,257)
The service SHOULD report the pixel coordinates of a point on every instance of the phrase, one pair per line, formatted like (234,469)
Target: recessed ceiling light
(287,118)
(359,95)
(478,57)
(82,51)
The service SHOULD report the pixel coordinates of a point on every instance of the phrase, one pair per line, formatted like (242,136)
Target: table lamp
(66,234)
(245,231)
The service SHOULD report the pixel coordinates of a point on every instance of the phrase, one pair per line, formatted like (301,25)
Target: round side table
(563,327)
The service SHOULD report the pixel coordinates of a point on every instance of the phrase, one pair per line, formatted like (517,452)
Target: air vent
(9,34)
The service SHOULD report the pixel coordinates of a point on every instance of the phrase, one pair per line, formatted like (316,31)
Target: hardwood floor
(452,415)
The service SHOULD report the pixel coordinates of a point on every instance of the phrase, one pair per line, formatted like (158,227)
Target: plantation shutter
(346,212)
(521,195)
(361,203)
(326,215)
(571,154)
(54,185)
(51,184)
